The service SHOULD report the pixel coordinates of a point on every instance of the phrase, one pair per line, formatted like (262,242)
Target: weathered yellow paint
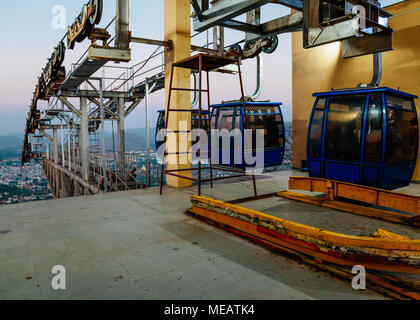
(350,208)
(381,233)
(378,197)
(308,232)
(247,222)
(322,68)
(178,30)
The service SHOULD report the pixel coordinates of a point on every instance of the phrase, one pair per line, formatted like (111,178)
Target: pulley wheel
(248,45)
(96,14)
(274,42)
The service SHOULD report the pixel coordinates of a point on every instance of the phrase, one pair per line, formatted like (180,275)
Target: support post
(74,147)
(55,148)
(63,159)
(121,131)
(69,143)
(219,39)
(122,24)
(146,99)
(84,138)
(102,112)
(178,30)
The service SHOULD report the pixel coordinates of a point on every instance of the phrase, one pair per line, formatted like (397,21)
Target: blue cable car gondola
(364,136)
(259,115)
(160,126)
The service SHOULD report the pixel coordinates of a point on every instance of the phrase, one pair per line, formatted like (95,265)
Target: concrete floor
(140,245)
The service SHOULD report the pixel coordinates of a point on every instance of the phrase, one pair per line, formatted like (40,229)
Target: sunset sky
(27,40)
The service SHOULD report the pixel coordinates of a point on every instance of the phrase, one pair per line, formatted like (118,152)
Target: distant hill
(10,146)
(135,139)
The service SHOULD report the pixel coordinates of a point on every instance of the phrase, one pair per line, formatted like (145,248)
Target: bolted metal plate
(369,44)
(110,54)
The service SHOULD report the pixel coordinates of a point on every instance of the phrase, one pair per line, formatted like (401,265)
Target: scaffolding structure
(201,63)
(102,97)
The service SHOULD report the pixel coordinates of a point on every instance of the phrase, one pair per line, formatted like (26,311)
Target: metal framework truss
(361,25)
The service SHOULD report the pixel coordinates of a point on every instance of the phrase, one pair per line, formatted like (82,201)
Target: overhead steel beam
(242,26)
(94,94)
(70,106)
(204,50)
(109,54)
(167,44)
(132,107)
(97,103)
(225,10)
(292,4)
(197,9)
(341,31)
(324,22)
(289,23)
(371,43)
(53,126)
(46,135)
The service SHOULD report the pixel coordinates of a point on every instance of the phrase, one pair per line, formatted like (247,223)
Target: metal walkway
(82,73)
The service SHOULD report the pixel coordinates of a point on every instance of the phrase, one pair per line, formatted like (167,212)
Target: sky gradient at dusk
(28,40)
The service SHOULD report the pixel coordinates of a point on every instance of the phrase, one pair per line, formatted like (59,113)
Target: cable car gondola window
(161,121)
(399,102)
(402,135)
(225,119)
(268,119)
(213,121)
(204,122)
(238,118)
(373,142)
(344,127)
(315,136)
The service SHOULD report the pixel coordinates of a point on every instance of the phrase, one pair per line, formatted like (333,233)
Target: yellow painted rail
(333,252)
(381,214)
(385,251)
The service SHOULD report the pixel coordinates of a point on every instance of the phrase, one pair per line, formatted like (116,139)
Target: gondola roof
(247,103)
(364,90)
(192,110)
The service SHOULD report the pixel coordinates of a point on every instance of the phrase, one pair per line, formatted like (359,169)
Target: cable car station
(351,197)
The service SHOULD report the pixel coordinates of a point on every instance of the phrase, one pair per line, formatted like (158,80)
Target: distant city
(28,183)
(22,184)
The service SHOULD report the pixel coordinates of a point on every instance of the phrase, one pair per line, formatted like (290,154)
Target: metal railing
(123,170)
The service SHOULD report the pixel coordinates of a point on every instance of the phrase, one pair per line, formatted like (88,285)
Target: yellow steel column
(178,30)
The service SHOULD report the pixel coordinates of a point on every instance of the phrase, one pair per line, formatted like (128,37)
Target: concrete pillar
(84,139)
(55,146)
(121,131)
(178,30)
